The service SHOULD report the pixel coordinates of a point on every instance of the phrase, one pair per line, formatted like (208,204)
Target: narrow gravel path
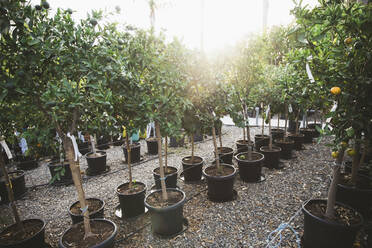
(244,222)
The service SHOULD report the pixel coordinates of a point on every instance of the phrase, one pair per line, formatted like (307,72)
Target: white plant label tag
(309,74)
(6,148)
(290,108)
(267,110)
(333,109)
(76,149)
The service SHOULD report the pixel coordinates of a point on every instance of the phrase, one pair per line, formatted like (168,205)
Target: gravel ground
(245,222)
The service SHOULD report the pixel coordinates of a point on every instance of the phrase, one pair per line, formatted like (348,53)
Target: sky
(224,21)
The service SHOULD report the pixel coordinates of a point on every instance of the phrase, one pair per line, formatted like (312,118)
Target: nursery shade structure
(224,21)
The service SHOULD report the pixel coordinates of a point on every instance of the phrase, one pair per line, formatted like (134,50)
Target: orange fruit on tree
(348,40)
(335,90)
(334,154)
(351,152)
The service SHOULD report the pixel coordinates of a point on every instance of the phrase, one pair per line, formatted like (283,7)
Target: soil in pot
(220,182)
(357,196)
(95,207)
(33,237)
(225,154)
(166,216)
(261,140)
(17,179)
(170,180)
(320,232)
(271,156)
(298,140)
(308,135)
(135,153)
(132,200)
(241,145)
(96,162)
(277,133)
(152,146)
(56,168)
(192,170)
(287,146)
(74,236)
(250,170)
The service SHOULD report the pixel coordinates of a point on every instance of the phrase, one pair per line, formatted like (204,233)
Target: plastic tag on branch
(6,148)
(333,109)
(309,74)
(76,149)
(23,145)
(81,137)
(267,110)
(290,109)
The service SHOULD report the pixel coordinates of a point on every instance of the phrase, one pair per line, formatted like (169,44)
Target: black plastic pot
(308,135)
(27,163)
(241,145)
(369,233)
(321,233)
(277,133)
(35,241)
(96,165)
(177,142)
(287,146)
(135,153)
(170,180)
(84,147)
(76,218)
(198,137)
(292,126)
(116,141)
(103,143)
(108,243)
(261,140)
(220,188)
(167,221)
(358,197)
(192,171)
(250,170)
(152,146)
(132,204)
(225,154)
(298,140)
(271,156)
(313,126)
(55,168)
(17,178)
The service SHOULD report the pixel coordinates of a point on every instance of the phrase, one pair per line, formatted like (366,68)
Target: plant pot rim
(165,209)
(307,129)
(22,173)
(277,130)
(25,240)
(299,135)
(90,213)
(152,139)
(355,188)
(103,154)
(142,191)
(335,224)
(245,160)
(262,136)
(281,142)
(55,164)
(133,145)
(201,162)
(225,147)
(221,178)
(112,236)
(274,149)
(241,141)
(164,168)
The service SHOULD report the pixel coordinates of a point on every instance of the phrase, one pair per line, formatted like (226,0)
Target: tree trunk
(216,154)
(286,122)
(244,134)
(270,137)
(278,120)
(192,148)
(129,151)
(220,139)
(76,177)
(249,144)
(9,189)
(355,166)
(296,120)
(331,200)
(162,177)
(263,121)
(93,143)
(166,155)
